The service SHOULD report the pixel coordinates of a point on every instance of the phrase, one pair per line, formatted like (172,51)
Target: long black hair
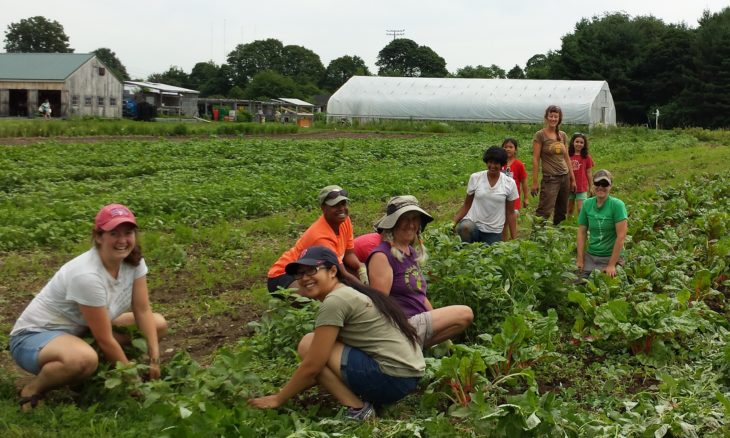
(391,311)
(571,148)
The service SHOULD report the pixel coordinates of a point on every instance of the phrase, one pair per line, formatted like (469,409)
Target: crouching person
(91,293)
(363,351)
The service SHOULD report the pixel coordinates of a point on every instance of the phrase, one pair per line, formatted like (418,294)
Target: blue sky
(151,38)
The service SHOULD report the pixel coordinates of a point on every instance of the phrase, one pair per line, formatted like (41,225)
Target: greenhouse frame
(374,98)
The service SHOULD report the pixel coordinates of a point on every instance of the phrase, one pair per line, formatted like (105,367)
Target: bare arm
(569,165)
(468,200)
(581,246)
(101,329)
(524,197)
(621,229)
(380,273)
(510,219)
(536,148)
(146,323)
(306,374)
(352,264)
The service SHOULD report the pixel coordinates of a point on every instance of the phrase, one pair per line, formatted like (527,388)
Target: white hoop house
(371,98)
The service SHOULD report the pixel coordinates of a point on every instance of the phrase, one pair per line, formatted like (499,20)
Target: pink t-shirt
(581,166)
(519,174)
(365,244)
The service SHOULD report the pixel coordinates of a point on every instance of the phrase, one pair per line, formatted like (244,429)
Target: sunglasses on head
(601,183)
(336,193)
(578,133)
(309,271)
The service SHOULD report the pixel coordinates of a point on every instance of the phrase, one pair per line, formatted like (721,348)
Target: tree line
(681,71)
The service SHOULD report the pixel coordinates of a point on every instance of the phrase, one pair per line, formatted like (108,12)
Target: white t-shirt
(83,280)
(488,208)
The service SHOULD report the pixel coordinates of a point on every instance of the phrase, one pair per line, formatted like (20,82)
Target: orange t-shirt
(319,233)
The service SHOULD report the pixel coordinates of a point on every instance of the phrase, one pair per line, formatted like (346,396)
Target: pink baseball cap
(110,216)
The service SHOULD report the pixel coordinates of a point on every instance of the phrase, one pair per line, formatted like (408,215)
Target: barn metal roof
(161,88)
(293,101)
(40,66)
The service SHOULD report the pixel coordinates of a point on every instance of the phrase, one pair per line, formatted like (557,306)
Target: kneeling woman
(363,350)
(92,293)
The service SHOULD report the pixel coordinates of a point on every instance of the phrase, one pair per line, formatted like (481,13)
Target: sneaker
(367,411)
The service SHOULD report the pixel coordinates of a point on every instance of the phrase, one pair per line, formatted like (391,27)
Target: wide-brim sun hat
(332,195)
(397,206)
(313,256)
(112,215)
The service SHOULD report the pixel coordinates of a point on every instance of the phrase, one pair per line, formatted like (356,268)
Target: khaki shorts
(422,322)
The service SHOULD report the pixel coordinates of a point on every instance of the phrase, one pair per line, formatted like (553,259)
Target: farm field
(644,354)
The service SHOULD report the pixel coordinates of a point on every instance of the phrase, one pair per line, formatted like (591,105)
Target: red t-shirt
(319,233)
(519,174)
(581,166)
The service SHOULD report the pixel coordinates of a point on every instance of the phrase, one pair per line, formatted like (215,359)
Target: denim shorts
(362,374)
(25,347)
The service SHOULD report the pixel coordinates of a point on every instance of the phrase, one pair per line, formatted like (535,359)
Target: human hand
(573,186)
(267,402)
(154,371)
(362,272)
(525,202)
(610,270)
(579,265)
(534,190)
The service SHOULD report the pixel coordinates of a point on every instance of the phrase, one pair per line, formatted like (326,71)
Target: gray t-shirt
(83,280)
(364,327)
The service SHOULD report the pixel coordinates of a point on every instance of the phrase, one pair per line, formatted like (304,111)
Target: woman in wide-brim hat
(394,268)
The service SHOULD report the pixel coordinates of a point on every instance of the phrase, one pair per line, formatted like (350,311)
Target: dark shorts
(362,375)
(281,282)
(25,348)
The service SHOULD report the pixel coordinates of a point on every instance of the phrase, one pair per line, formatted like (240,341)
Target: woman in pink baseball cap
(88,295)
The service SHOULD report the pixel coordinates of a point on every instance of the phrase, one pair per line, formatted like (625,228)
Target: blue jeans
(469,233)
(362,374)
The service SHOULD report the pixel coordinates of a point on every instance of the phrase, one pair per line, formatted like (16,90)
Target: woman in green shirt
(603,221)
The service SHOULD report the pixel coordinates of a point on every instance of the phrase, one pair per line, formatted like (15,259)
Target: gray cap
(603,175)
(332,195)
(396,207)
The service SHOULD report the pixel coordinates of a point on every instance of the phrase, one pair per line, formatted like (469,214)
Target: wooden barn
(75,84)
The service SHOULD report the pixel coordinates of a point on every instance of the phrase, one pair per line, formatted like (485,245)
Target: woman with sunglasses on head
(582,167)
(603,222)
(394,268)
(88,295)
(363,351)
(549,149)
(333,230)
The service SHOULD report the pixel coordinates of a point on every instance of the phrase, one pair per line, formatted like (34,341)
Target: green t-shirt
(601,223)
(364,327)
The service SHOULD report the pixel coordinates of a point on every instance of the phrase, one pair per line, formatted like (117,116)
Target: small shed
(369,98)
(295,110)
(168,99)
(75,84)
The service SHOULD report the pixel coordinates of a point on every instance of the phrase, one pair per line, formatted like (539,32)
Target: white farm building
(371,98)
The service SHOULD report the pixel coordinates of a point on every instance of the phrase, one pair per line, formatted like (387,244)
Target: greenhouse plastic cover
(500,100)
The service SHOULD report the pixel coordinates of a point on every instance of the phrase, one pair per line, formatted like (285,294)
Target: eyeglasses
(335,193)
(602,183)
(309,271)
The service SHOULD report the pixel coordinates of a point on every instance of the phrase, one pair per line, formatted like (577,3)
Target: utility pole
(395,33)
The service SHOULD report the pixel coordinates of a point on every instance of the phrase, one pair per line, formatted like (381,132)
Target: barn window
(87,100)
(112,101)
(102,71)
(75,99)
(100,100)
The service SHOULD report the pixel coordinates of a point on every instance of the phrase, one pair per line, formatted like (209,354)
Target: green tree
(36,35)
(269,84)
(516,73)
(404,57)
(201,73)
(110,59)
(541,66)
(174,76)
(301,64)
(341,69)
(247,60)
(481,71)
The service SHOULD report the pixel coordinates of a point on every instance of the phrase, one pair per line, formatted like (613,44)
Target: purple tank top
(409,284)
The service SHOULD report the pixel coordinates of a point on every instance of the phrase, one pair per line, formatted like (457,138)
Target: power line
(395,32)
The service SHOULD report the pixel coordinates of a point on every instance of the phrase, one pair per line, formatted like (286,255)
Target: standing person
(582,168)
(45,109)
(91,293)
(333,230)
(489,203)
(548,148)
(394,268)
(604,221)
(516,169)
(363,351)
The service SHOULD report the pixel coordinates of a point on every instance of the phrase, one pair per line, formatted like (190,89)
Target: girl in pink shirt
(582,164)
